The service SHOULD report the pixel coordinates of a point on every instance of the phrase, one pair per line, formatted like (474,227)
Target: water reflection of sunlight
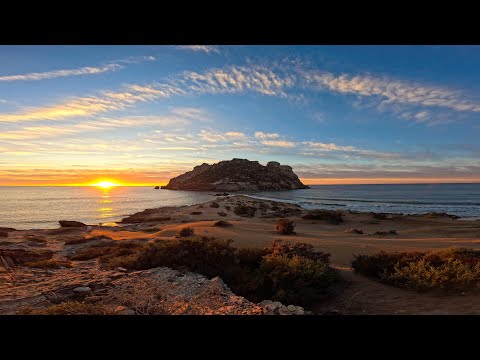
(105,212)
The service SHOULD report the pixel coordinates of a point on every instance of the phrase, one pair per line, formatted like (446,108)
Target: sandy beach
(20,285)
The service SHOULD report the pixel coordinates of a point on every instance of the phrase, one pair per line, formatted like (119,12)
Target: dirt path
(369,297)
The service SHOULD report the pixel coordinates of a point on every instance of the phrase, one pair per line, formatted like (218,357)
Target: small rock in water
(82,289)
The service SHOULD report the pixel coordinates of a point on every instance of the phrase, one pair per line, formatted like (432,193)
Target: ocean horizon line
(338,184)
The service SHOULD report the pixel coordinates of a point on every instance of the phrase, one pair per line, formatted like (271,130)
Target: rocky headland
(237,175)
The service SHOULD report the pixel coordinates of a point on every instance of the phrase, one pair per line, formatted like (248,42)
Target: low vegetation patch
(451,269)
(195,213)
(70,308)
(221,213)
(215,205)
(379,216)
(151,230)
(49,264)
(292,273)
(185,232)
(107,250)
(245,211)
(330,216)
(222,223)
(285,227)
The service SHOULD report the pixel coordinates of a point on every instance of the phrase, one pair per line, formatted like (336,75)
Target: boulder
(68,223)
(20,256)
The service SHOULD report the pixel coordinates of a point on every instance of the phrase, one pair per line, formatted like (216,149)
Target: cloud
(318,117)
(263,80)
(262,135)
(3,101)
(279,143)
(87,70)
(99,124)
(391,90)
(88,106)
(212,136)
(200,48)
(328,147)
(192,113)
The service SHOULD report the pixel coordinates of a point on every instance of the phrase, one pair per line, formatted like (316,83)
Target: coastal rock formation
(67,223)
(237,175)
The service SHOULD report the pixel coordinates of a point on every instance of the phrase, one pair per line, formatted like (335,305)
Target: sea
(30,207)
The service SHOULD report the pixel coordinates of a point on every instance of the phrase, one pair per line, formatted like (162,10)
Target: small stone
(82,289)
(128,312)
(121,269)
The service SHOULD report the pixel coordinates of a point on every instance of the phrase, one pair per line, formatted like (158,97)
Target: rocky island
(237,175)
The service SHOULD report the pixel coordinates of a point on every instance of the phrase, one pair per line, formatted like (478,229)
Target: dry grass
(49,264)
(140,295)
(70,308)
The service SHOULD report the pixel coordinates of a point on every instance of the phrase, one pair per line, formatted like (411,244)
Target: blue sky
(142,114)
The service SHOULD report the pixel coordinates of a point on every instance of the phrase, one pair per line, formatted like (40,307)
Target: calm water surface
(42,207)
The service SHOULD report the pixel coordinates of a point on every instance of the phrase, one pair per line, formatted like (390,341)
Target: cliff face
(237,175)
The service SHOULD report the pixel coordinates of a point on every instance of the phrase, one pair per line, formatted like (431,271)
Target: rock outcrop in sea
(237,175)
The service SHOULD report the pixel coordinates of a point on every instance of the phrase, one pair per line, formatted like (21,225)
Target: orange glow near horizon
(107,183)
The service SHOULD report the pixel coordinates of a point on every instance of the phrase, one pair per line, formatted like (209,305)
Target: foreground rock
(156,291)
(237,175)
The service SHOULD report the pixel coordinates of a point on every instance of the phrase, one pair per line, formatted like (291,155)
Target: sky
(139,115)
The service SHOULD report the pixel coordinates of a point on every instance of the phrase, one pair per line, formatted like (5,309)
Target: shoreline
(118,223)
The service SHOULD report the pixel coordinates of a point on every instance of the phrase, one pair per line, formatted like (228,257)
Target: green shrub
(331,216)
(214,205)
(245,211)
(423,275)
(208,256)
(285,227)
(382,262)
(447,269)
(280,248)
(221,213)
(299,275)
(185,232)
(222,223)
(296,279)
(227,208)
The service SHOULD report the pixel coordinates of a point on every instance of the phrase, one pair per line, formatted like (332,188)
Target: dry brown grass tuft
(49,264)
(69,308)
(140,295)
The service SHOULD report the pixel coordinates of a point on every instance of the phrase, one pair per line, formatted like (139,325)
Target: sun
(105,184)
